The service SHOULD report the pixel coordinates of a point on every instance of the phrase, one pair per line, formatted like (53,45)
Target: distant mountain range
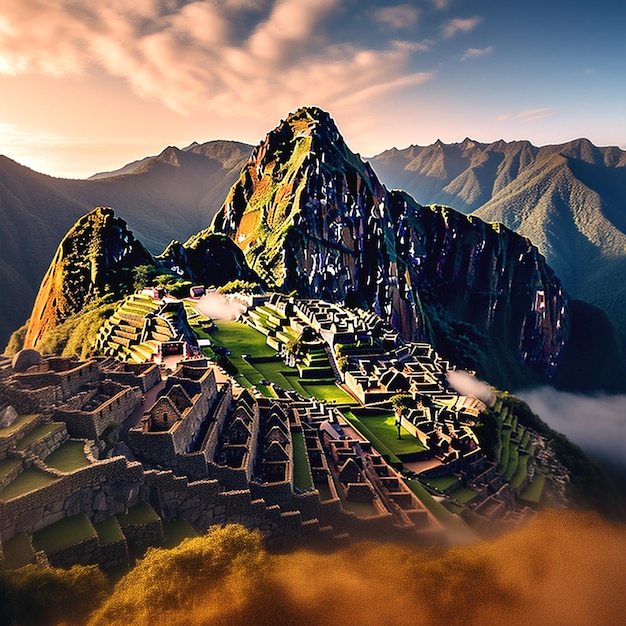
(569,199)
(172,195)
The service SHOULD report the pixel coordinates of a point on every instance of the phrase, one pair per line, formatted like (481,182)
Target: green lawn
(19,422)
(109,531)
(378,444)
(29,480)
(383,426)
(328,392)
(68,457)
(6,465)
(141,513)
(38,433)
(534,491)
(442,482)
(177,530)
(67,532)
(301,473)
(240,339)
(449,521)
(17,552)
(462,494)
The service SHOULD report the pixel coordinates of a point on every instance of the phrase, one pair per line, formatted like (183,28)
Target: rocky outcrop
(311,216)
(95,257)
(208,259)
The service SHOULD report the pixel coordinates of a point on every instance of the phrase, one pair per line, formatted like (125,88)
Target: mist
(595,423)
(468,385)
(218,307)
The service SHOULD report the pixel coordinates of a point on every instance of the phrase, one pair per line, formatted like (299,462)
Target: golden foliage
(564,568)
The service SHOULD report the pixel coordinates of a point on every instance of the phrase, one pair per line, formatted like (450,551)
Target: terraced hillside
(138,327)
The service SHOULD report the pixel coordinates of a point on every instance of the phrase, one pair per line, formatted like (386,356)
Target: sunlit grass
(68,457)
(29,480)
(67,532)
(301,473)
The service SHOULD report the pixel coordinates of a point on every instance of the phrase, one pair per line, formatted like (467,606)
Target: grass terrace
(521,472)
(242,339)
(38,433)
(8,465)
(301,472)
(534,492)
(141,513)
(68,457)
(29,480)
(17,552)
(176,531)
(19,422)
(109,531)
(62,534)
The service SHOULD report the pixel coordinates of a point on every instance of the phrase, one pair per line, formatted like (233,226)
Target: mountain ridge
(37,211)
(567,198)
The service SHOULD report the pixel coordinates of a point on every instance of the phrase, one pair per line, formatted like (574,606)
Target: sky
(89,86)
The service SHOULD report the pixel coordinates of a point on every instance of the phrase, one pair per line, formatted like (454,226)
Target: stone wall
(142,375)
(97,491)
(82,552)
(41,448)
(26,401)
(7,442)
(69,381)
(91,424)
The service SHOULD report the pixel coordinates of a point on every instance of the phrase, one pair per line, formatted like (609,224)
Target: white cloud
(413,46)
(468,385)
(596,423)
(530,115)
(399,16)
(460,25)
(476,53)
(253,57)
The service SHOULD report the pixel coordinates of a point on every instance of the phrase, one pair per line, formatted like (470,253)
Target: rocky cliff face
(568,198)
(94,258)
(310,215)
(208,259)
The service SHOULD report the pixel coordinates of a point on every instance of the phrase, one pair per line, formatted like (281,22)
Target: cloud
(218,307)
(468,385)
(399,16)
(530,115)
(257,58)
(476,53)
(595,423)
(460,25)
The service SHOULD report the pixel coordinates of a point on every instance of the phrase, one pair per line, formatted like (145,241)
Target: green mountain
(311,216)
(36,211)
(568,199)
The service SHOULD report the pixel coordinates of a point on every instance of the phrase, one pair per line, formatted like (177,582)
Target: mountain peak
(95,257)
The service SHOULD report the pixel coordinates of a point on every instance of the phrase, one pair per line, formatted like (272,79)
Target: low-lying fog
(595,423)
